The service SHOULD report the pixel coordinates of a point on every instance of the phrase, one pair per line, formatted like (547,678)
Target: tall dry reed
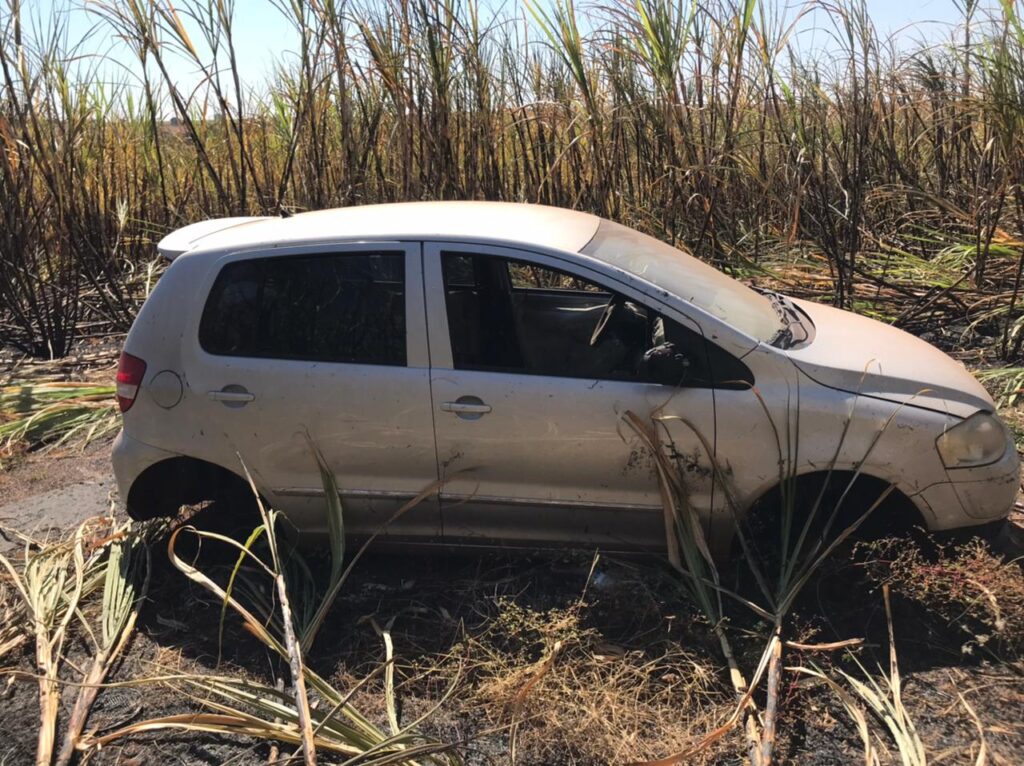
(886,174)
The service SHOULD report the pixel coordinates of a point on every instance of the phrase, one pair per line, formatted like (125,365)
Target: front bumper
(990,491)
(974,496)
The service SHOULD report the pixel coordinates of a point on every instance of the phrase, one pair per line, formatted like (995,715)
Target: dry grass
(53,581)
(566,694)
(51,413)
(616,668)
(12,614)
(966,585)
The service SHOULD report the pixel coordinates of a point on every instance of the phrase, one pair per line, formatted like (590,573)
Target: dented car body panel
(492,350)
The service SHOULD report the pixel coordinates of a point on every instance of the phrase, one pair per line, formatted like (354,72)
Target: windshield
(686,277)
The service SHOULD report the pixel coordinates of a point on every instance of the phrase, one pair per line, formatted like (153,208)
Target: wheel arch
(897,510)
(162,488)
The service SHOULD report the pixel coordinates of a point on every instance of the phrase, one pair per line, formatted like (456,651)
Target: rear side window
(342,307)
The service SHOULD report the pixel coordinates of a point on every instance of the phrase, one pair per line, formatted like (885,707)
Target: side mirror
(665,364)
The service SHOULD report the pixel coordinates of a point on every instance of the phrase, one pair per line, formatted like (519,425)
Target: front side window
(339,307)
(513,316)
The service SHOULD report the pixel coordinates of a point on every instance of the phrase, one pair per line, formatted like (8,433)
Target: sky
(262,35)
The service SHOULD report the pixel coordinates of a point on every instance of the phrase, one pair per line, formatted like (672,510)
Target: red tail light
(130,371)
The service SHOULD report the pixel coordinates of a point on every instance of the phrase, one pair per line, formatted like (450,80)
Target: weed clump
(967,586)
(569,694)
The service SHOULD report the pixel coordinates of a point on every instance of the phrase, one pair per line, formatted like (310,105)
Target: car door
(321,346)
(531,441)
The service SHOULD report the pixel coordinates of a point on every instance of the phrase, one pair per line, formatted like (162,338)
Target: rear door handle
(231,395)
(476,409)
(467,407)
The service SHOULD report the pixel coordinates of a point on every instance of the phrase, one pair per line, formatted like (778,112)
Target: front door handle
(231,395)
(467,407)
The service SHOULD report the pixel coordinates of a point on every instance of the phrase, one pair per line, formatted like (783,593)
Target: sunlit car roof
(513,223)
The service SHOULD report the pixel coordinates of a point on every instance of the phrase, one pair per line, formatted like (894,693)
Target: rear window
(341,307)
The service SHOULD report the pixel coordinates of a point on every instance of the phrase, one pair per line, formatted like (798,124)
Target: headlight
(979,440)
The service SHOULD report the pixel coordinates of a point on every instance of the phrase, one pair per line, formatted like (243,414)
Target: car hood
(861,355)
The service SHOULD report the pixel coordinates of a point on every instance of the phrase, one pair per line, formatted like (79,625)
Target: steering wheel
(602,323)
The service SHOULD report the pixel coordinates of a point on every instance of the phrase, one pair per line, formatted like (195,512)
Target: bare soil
(54,491)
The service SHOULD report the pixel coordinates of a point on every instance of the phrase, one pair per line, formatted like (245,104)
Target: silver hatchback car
(495,348)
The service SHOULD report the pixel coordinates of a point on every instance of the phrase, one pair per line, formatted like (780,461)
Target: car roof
(498,222)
